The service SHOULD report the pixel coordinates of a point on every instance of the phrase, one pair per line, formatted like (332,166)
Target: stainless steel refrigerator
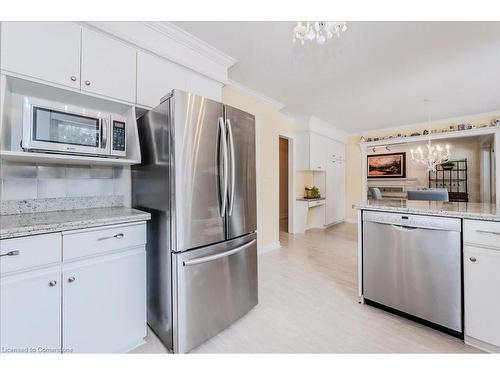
(197,179)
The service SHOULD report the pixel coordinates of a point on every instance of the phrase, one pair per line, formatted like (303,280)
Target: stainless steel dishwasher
(412,264)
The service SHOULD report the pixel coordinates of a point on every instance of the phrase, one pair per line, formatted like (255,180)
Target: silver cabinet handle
(224,165)
(11,253)
(52,283)
(472,259)
(71,279)
(87,83)
(73,78)
(233,165)
(209,258)
(118,236)
(487,232)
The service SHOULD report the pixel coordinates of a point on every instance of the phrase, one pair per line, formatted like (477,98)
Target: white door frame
(291,178)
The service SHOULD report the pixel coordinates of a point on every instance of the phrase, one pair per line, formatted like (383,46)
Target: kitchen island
(435,262)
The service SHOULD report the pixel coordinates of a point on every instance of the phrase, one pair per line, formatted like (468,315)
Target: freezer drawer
(414,270)
(213,287)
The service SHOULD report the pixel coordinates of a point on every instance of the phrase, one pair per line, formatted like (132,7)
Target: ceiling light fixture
(320,31)
(433,155)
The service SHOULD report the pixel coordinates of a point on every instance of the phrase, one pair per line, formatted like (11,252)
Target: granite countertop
(479,211)
(56,221)
(310,199)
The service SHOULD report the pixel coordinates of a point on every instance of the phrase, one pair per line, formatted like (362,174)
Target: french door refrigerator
(197,179)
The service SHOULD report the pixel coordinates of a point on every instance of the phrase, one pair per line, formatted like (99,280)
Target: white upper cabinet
(203,86)
(49,51)
(156,77)
(108,67)
(311,151)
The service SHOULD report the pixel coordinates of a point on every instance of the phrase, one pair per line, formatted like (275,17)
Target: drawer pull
(472,259)
(71,279)
(487,232)
(10,253)
(52,283)
(118,236)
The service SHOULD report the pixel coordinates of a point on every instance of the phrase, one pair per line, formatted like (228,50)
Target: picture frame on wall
(387,165)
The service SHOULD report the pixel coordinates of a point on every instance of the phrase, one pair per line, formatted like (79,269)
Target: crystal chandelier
(320,31)
(434,154)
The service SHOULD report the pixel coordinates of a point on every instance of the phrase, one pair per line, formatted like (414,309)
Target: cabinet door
(30,311)
(157,77)
(104,303)
(108,67)
(203,86)
(335,182)
(482,294)
(49,51)
(317,147)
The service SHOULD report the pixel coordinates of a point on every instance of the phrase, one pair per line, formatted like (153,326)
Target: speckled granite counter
(478,211)
(56,221)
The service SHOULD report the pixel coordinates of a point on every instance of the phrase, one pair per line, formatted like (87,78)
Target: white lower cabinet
(482,284)
(30,312)
(482,294)
(91,301)
(104,303)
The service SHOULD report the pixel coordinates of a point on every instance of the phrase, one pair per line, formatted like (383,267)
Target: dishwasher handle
(404,228)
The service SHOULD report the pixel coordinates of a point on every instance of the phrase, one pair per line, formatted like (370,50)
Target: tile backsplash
(19,181)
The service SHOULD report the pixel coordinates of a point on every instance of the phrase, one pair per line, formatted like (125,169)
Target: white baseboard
(352,221)
(262,249)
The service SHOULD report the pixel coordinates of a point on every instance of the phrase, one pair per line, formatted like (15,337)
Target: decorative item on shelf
(461,126)
(453,128)
(447,165)
(496,122)
(387,165)
(362,139)
(425,132)
(415,134)
(312,192)
(319,31)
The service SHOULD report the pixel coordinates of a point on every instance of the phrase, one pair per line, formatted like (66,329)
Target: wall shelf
(34,157)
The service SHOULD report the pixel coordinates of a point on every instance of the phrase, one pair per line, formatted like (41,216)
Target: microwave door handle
(104,132)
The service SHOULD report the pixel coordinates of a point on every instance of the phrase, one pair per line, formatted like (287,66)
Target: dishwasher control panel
(412,220)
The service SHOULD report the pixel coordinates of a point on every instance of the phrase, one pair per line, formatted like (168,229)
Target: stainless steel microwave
(60,128)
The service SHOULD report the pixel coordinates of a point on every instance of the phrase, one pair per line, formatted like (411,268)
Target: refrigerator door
(213,287)
(241,210)
(199,158)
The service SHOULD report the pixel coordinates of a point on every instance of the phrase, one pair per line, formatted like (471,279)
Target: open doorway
(283,194)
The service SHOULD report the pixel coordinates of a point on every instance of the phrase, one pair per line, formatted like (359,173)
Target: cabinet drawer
(485,233)
(316,203)
(29,252)
(79,244)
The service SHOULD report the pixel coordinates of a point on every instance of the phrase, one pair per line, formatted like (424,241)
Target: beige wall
(271,123)
(354,164)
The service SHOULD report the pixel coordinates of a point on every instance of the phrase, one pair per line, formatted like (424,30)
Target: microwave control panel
(118,136)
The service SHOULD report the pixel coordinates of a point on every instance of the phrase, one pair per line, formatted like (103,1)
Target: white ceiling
(376,76)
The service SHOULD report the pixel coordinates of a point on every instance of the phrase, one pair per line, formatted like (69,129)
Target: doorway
(283,182)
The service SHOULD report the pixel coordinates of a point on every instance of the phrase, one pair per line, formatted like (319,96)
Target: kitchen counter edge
(59,221)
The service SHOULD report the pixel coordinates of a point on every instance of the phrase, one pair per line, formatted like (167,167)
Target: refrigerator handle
(233,165)
(224,166)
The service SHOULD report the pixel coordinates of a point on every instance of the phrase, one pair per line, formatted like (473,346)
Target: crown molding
(248,91)
(168,41)
(178,34)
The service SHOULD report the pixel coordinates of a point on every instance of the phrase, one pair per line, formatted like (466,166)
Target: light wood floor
(308,304)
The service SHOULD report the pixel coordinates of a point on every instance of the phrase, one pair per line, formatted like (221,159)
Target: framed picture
(387,165)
